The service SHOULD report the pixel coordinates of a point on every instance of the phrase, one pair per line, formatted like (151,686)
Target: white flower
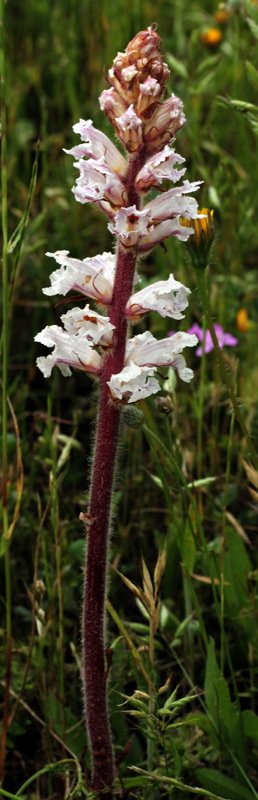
(168,297)
(162,230)
(130,225)
(159,167)
(159,219)
(144,354)
(93,277)
(96,146)
(146,351)
(133,383)
(89,324)
(69,351)
(98,182)
(173,202)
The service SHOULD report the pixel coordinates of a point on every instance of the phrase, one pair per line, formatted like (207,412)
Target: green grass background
(57,56)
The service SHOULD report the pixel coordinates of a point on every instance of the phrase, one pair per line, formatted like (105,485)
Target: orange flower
(222,15)
(242,321)
(212,37)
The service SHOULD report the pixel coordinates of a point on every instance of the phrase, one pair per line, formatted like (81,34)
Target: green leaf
(236,570)
(176,65)
(250,724)
(253,27)
(188,551)
(225,716)
(215,781)
(252,74)
(217,694)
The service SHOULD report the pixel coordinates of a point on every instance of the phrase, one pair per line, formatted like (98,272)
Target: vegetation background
(187,477)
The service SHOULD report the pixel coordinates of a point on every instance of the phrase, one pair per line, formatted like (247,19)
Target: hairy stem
(98,524)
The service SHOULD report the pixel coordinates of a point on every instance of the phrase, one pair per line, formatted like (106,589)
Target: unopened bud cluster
(145,125)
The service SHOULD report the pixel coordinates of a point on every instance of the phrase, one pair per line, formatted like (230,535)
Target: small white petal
(129,129)
(89,324)
(128,73)
(130,225)
(168,297)
(133,383)
(150,87)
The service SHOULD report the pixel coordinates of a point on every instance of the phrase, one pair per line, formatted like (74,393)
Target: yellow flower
(203,228)
(242,321)
(212,37)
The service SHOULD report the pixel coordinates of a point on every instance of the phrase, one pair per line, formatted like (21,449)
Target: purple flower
(223,338)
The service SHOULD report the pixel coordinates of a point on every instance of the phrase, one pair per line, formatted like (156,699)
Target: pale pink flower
(173,202)
(144,354)
(89,324)
(93,277)
(159,167)
(128,73)
(97,145)
(69,351)
(164,123)
(112,104)
(169,298)
(159,219)
(97,182)
(130,129)
(133,383)
(162,230)
(149,92)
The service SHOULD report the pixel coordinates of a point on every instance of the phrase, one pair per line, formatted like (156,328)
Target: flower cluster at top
(145,124)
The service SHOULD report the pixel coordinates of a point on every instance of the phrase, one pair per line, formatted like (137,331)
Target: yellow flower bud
(211,37)
(242,321)
(203,229)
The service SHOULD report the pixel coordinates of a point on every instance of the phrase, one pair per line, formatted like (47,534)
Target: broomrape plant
(97,343)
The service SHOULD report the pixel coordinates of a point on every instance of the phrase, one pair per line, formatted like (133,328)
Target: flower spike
(145,125)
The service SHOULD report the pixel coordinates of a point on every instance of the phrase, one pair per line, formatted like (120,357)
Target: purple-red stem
(98,523)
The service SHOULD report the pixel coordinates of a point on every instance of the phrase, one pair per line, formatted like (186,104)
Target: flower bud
(138,75)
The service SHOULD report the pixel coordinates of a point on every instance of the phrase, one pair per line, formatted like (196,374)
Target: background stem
(4,398)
